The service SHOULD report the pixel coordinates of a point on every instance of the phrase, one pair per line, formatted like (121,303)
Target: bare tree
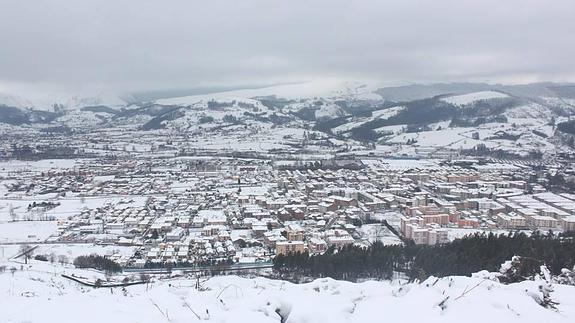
(62,259)
(144,277)
(27,252)
(12,212)
(380,231)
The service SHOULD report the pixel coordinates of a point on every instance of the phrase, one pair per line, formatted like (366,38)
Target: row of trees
(460,257)
(97,262)
(186,264)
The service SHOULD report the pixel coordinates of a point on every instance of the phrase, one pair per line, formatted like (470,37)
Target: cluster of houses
(202,211)
(484,201)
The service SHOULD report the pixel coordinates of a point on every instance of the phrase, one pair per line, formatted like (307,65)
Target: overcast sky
(134,45)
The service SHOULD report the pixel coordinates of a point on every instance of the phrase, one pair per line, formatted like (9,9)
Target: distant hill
(455,116)
(422,91)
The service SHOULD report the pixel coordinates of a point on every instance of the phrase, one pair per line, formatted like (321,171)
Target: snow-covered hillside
(346,113)
(14,101)
(377,114)
(469,98)
(329,111)
(304,90)
(40,295)
(49,101)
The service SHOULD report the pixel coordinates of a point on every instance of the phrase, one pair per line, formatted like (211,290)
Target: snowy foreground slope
(40,296)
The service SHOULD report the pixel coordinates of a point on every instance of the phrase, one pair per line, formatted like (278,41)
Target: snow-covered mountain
(11,100)
(61,101)
(499,117)
(334,89)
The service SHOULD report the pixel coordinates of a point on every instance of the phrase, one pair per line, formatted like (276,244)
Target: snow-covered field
(40,294)
(37,166)
(27,231)
(401,164)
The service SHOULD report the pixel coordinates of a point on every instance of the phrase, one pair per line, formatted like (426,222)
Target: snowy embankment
(33,295)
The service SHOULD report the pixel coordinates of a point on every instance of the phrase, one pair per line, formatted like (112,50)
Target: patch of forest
(460,257)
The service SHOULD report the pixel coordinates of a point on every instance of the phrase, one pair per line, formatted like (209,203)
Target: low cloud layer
(137,45)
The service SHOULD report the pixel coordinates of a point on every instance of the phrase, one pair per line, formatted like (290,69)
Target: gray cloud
(141,45)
